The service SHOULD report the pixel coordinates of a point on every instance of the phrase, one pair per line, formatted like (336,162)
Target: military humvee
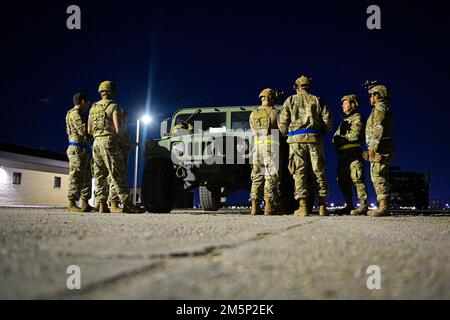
(209,148)
(179,159)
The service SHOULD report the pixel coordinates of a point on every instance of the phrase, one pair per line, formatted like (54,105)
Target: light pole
(145,119)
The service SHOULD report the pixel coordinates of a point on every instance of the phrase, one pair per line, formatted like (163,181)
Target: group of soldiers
(105,129)
(304,120)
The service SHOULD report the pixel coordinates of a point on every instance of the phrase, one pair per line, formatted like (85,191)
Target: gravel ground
(224,255)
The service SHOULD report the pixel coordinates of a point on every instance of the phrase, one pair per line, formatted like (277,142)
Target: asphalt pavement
(224,255)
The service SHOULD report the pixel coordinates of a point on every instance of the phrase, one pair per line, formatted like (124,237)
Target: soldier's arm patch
(378,115)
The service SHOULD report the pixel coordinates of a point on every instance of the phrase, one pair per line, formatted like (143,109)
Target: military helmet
(382,90)
(107,86)
(269,93)
(351,98)
(304,81)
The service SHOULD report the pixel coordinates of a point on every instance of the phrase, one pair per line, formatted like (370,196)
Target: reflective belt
(348,146)
(266,141)
(77,144)
(303,131)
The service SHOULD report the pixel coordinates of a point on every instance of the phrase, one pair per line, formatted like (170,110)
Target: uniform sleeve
(250,120)
(274,115)
(78,124)
(285,115)
(116,108)
(89,121)
(356,126)
(336,136)
(379,114)
(327,118)
(68,124)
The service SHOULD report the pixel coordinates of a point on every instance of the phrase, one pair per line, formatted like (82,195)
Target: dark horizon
(166,56)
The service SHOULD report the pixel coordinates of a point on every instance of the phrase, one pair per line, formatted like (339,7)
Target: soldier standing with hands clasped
(348,140)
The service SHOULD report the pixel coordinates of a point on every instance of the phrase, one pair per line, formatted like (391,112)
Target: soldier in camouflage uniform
(78,153)
(304,119)
(380,147)
(348,140)
(265,173)
(125,147)
(105,126)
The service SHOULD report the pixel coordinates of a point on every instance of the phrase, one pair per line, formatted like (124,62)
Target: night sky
(168,55)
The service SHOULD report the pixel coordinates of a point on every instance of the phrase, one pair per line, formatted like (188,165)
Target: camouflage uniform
(125,152)
(348,140)
(265,173)
(108,159)
(379,139)
(306,118)
(80,175)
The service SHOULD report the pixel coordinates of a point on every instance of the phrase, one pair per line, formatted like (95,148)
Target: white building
(32,177)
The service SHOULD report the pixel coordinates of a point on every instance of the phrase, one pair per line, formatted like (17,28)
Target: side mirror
(165,127)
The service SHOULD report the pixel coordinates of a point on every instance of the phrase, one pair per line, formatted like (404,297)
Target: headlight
(242,146)
(178,149)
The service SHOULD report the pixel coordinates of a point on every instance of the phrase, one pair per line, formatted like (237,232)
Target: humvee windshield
(208,120)
(239,120)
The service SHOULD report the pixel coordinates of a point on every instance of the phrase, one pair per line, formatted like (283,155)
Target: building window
(57,183)
(17,177)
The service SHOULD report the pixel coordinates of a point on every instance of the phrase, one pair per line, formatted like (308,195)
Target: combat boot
(103,207)
(344,211)
(270,209)
(323,211)
(303,210)
(72,207)
(382,211)
(128,207)
(362,210)
(255,208)
(85,207)
(114,207)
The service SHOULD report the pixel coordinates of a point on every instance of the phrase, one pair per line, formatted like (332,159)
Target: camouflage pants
(351,171)
(108,162)
(113,196)
(302,158)
(379,171)
(266,172)
(80,174)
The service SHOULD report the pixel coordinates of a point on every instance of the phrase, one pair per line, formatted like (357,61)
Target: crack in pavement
(112,280)
(94,285)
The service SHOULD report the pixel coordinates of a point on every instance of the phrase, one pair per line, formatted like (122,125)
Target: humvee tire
(158,186)
(210,197)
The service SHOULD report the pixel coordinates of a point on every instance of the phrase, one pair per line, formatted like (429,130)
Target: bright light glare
(146,119)
(3,176)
